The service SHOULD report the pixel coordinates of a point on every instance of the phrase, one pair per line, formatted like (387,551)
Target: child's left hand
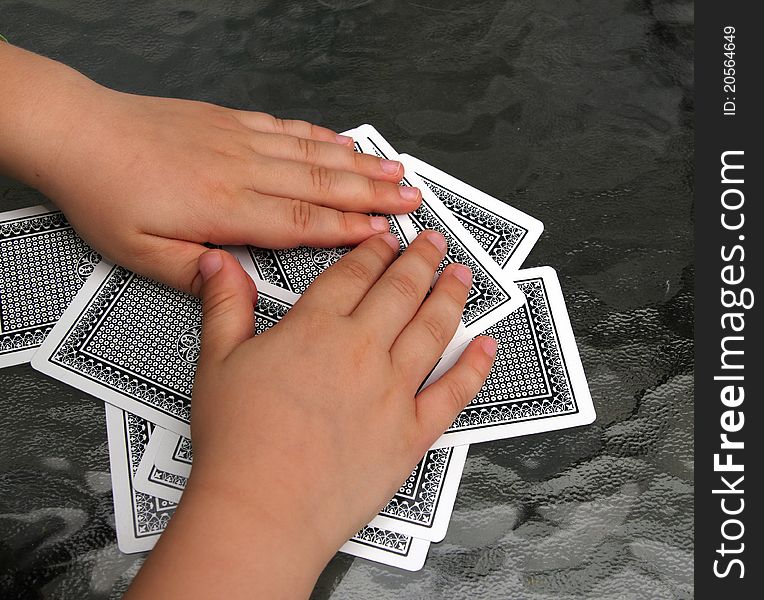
(147,181)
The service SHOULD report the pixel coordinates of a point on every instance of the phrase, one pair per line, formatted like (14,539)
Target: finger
(329,155)
(227,315)
(342,286)
(393,301)
(266,123)
(172,262)
(273,222)
(169,261)
(439,403)
(333,188)
(424,339)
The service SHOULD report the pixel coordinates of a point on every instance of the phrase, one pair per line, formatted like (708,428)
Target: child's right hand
(303,433)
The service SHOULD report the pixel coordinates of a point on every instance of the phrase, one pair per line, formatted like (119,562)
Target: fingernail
(379,224)
(343,139)
(209,264)
(408,193)
(391,167)
(392,241)
(463,274)
(437,240)
(489,345)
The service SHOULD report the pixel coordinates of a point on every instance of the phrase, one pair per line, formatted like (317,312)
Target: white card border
(142,480)
(445,505)
(586,413)
(121,486)
(21,357)
(159,453)
(413,561)
(163,459)
(83,299)
(532,225)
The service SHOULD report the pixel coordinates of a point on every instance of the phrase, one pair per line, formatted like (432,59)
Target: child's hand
(302,434)
(147,181)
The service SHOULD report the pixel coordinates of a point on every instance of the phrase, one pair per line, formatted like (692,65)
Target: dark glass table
(577,113)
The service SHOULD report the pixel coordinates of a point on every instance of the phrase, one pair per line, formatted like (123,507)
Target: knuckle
(298,128)
(454,301)
(279,125)
(476,376)
(302,215)
(371,190)
(216,304)
(436,329)
(356,160)
(355,270)
(343,223)
(456,394)
(322,179)
(380,251)
(426,258)
(404,286)
(307,150)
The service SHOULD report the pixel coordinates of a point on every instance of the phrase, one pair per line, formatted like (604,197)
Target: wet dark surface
(578,113)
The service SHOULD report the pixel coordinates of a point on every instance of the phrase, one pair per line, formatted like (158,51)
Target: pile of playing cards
(134,343)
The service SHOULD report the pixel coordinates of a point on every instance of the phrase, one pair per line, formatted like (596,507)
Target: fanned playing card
(139,518)
(505,233)
(421,508)
(145,498)
(43,264)
(134,343)
(423,505)
(150,479)
(174,453)
(493,294)
(537,382)
(388,547)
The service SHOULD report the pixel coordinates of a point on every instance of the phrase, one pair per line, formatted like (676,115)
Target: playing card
(423,505)
(505,233)
(43,264)
(154,481)
(174,453)
(421,508)
(139,518)
(134,343)
(537,382)
(294,269)
(388,547)
(493,294)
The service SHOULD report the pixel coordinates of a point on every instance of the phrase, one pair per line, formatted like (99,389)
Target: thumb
(228,295)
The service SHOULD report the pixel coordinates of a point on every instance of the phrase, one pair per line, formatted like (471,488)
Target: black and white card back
(421,508)
(537,382)
(505,233)
(134,343)
(141,517)
(43,264)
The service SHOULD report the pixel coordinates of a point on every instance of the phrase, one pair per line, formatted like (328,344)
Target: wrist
(281,519)
(44,109)
(262,552)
